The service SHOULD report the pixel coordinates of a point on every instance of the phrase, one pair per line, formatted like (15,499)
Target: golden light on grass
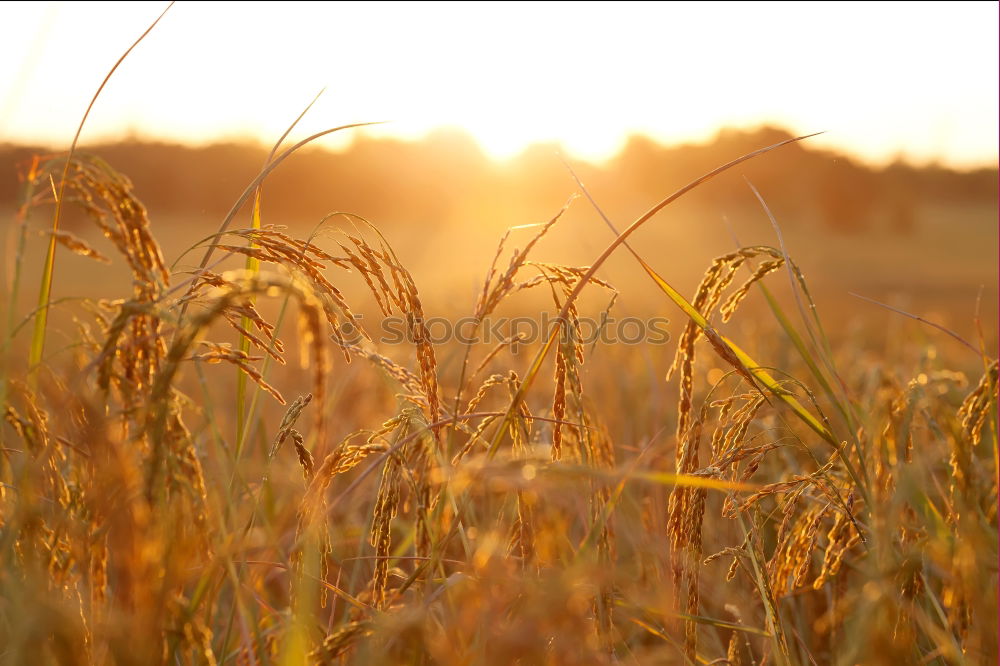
(464,504)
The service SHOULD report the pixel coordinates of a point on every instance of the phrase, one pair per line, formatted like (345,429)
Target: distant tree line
(445,178)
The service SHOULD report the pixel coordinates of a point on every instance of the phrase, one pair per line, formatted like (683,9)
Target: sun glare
(513,74)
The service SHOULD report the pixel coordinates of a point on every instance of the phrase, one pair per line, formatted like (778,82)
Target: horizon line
(249,138)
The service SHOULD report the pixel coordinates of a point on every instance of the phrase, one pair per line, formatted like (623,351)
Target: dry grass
(477,521)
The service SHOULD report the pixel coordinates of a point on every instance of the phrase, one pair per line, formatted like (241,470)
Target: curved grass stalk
(621,239)
(248,192)
(253,267)
(725,347)
(45,290)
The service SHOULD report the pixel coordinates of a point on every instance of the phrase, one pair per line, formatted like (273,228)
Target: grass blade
(253,266)
(621,239)
(740,359)
(727,349)
(45,289)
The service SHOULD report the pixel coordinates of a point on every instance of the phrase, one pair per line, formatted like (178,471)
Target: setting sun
(883,80)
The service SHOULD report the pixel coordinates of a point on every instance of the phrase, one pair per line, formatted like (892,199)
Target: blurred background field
(923,239)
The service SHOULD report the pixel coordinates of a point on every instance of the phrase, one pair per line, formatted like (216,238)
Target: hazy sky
(913,79)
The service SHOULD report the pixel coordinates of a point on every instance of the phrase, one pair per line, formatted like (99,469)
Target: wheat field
(804,514)
(220,463)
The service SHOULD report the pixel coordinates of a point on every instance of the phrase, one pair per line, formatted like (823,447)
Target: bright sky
(912,79)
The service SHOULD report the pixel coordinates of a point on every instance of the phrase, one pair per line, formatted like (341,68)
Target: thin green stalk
(818,338)
(778,642)
(248,192)
(45,290)
(253,266)
(23,216)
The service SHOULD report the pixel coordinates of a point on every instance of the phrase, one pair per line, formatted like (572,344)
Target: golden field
(202,464)
(721,403)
